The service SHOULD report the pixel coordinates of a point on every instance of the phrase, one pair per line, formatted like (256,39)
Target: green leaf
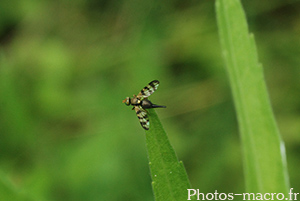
(169,178)
(263,149)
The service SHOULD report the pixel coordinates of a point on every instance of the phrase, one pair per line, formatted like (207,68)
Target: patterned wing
(148,90)
(143,117)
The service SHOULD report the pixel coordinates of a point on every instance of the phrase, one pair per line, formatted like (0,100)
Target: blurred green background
(66,66)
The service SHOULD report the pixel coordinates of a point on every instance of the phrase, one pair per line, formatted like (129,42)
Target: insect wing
(148,90)
(143,117)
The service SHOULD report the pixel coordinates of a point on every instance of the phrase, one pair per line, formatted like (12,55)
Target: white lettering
(282,196)
(249,198)
(265,197)
(212,196)
(246,196)
(189,193)
(290,193)
(216,195)
(295,196)
(259,196)
(230,196)
(220,196)
(272,194)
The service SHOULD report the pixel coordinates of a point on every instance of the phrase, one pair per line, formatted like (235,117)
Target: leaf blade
(169,178)
(263,149)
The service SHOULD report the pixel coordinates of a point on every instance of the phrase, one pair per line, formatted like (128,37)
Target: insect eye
(127,101)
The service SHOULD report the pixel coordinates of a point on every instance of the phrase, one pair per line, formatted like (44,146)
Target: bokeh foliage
(66,66)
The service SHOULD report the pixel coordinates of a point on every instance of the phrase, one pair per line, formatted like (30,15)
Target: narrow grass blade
(169,178)
(263,149)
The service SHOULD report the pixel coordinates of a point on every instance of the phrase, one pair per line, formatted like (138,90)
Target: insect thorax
(135,101)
